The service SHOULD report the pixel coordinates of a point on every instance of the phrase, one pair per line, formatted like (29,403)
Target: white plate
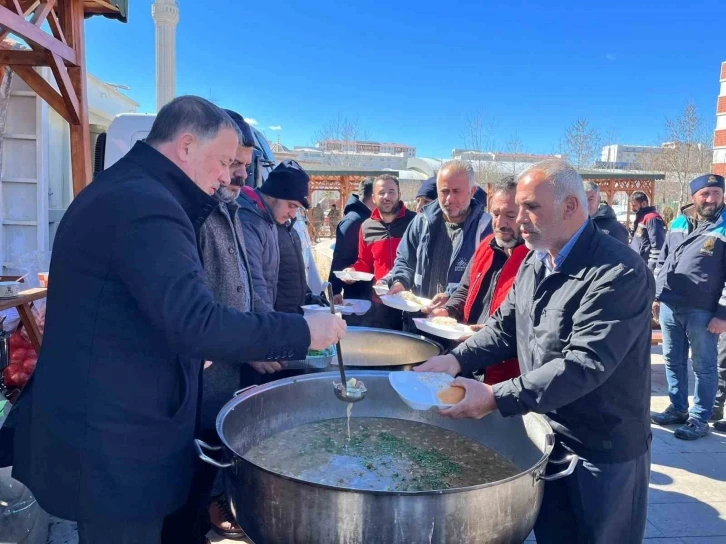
(350,307)
(353,276)
(418,389)
(313,308)
(381,289)
(453,332)
(394,301)
(357,306)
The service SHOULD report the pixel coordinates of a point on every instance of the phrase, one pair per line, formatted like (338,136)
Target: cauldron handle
(572,459)
(239,392)
(200,446)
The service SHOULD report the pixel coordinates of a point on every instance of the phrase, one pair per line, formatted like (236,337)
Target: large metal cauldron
(275,509)
(367,348)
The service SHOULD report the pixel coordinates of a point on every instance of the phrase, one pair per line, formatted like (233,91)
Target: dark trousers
(721,395)
(597,504)
(190,524)
(118,532)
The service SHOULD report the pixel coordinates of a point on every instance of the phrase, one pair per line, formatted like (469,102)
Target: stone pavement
(687,489)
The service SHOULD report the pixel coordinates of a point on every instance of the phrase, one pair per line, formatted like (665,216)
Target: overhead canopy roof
(113,9)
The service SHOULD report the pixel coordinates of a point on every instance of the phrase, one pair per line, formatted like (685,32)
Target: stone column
(166,16)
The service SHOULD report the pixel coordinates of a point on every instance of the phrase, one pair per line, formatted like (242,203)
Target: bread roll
(451,395)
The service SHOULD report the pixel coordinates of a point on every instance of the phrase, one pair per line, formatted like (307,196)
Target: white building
(35,179)
(357,159)
(630,155)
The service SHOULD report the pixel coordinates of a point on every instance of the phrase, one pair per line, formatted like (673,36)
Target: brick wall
(719,139)
(721,107)
(723,71)
(719,169)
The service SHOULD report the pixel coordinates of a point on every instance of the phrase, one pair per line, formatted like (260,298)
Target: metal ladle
(343,392)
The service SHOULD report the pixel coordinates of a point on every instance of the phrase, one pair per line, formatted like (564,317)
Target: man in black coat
(357,209)
(106,425)
(603,215)
(578,319)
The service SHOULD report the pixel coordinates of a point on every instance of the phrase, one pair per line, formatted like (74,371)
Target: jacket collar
(195,202)
(376,215)
(256,203)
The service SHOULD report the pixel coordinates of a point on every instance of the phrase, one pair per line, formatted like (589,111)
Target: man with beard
(690,303)
(357,210)
(491,273)
(603,215)
(578,319)
(379,238)
(224,258)
(648,232)
(440,241)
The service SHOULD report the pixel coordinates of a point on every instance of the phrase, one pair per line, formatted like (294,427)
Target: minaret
(166,16)
(719,137)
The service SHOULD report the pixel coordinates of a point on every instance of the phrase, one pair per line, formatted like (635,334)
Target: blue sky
(412,72)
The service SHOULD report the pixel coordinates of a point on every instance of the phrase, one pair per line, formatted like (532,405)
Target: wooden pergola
(343,180)
(63,50)
(612,182)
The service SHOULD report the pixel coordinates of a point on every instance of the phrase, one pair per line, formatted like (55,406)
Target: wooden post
(73,24)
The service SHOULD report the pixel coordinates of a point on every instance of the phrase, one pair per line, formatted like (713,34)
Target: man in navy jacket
(440,241)
(106,425)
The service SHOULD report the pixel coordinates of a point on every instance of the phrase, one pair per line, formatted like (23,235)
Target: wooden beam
(35,36)
(74,24)
(67,91)
(22,58)
(43,89)
(17,8)
(55,27)
(41,12)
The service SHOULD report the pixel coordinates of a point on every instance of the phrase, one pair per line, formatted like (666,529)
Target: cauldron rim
(236,458)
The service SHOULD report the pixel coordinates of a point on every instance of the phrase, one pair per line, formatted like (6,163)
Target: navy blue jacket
(106,425)
(648,235)
(607,221)
(346,249)
(691,270)
(414,252)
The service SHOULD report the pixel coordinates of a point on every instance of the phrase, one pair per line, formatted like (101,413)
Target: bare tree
(337,140)
(581,143)
(478,139)
(687,151)
(514,147)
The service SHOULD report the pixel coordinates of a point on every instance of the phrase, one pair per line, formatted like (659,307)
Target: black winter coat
(582,336)
(607,221)
(106,425)
(346,249)
(292,286)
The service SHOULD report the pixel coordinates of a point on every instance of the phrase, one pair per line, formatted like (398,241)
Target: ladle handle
(337,346)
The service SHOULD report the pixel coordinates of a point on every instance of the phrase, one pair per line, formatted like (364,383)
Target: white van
(128,128)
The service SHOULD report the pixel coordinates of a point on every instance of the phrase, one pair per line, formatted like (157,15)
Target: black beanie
(288,181)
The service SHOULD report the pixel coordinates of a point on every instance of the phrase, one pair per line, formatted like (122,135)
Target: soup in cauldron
(381,455)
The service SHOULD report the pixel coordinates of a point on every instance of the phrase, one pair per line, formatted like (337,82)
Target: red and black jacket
(481,262)
(378,242)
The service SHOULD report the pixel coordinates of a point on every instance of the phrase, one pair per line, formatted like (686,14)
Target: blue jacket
(346,249)
(691,269)
(105,427)
(648,235)
(414,252)
(263,248)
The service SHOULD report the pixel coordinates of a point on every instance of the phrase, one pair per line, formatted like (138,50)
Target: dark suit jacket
(105,427)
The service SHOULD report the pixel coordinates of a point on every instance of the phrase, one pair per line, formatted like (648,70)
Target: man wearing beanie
(690,303)
(273,246)
(426,194)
